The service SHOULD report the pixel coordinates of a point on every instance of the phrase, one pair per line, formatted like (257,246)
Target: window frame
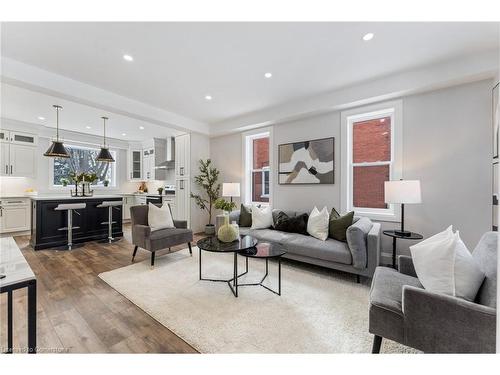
(393,110)
(113,183)
(247,161)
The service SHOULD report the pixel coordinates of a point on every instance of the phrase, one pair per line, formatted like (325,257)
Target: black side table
(395,236)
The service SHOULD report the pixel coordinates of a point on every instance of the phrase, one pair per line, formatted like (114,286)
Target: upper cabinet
(135,164)
(18,154)
(182,156)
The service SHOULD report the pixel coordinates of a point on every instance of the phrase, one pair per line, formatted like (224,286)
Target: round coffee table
(213,245)
(265,250)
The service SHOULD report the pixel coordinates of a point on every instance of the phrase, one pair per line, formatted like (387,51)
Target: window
(257,168)
(82,159)
(372,156)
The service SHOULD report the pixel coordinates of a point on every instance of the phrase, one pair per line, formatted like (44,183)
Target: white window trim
(112,186)
(394,109)
(263,172)
(247,161)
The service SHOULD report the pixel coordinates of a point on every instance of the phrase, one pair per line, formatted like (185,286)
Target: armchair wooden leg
(190,249)
(135,252)
(377,342)
(152,259)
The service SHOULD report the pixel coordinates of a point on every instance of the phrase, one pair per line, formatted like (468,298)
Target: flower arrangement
(222,204)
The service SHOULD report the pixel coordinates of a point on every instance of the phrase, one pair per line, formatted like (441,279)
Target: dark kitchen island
(46,221)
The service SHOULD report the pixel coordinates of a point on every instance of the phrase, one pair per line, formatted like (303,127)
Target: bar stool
(70,207)
(110,205)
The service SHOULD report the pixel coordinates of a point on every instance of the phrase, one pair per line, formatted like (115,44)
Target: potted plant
(222,204)
(227,232)
(207,183)
(64,182)
(105,183)
(160,190)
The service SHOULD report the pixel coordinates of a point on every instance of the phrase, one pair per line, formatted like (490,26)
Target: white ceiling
(176,64)
(25,105)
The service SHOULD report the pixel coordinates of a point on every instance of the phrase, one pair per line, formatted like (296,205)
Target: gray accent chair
(152,241)
(359,255)
(402,310)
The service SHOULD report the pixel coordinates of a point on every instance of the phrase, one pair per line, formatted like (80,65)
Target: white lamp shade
(231,189)
(404,191)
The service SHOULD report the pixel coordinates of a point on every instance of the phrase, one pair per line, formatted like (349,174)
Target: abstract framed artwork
(307,162)
(496,121)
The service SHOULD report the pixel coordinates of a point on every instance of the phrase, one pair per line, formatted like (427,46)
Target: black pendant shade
(104,154)
(57,149)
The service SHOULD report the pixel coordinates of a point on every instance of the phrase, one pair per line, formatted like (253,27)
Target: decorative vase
(227,233)
(209,229)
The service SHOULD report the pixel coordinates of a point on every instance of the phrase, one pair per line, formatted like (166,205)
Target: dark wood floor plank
(79,312)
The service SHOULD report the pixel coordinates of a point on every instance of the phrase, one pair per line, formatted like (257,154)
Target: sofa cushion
(329,250)
(268,235)
(356,240)
(291,224)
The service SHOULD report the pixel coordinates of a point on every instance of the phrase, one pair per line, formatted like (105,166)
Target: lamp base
(403,233)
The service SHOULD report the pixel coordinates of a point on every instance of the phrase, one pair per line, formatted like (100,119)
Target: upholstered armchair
(402,310)
(152,241)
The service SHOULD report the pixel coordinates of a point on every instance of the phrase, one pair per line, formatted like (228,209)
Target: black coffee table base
(265,276)
(232,282)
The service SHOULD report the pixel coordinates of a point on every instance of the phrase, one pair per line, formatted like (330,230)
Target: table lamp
(231,189)
(402,192)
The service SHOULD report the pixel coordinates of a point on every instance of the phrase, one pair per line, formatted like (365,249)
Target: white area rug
(319,311)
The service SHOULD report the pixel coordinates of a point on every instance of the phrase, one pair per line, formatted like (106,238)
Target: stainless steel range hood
(169,163)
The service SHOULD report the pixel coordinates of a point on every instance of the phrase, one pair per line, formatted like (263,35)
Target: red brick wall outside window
(371,143)
(260,147)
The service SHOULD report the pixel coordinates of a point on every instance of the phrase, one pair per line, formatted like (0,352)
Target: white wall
(446,144)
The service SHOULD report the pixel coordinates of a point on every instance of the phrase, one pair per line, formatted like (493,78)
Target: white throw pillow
(444,265)
(262,217)
(160,217)
(317,224)
(468,275)
(434,262)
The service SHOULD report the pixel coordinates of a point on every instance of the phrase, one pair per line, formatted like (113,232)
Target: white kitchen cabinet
(22,161)
(18,154)
(135,164)
(128,201)
(146,161)
(4,159)
(182,156)
(182,200)
(139,200)
(15,215)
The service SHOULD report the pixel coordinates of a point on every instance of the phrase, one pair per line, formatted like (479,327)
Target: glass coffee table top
(214,245)
(264,250)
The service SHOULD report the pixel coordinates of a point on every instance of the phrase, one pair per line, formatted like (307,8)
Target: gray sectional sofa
(359,255)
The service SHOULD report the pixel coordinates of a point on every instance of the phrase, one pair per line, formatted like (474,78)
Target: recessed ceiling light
(41,118)
(128,58)
(88,127)
(124,134)
(382,120)
(268,75)
(208,97)
(368,37)
(141,127)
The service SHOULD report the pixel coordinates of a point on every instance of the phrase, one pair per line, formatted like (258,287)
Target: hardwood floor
(80,313)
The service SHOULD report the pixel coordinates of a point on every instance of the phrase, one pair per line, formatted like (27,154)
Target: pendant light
(104,154)
(57,149)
